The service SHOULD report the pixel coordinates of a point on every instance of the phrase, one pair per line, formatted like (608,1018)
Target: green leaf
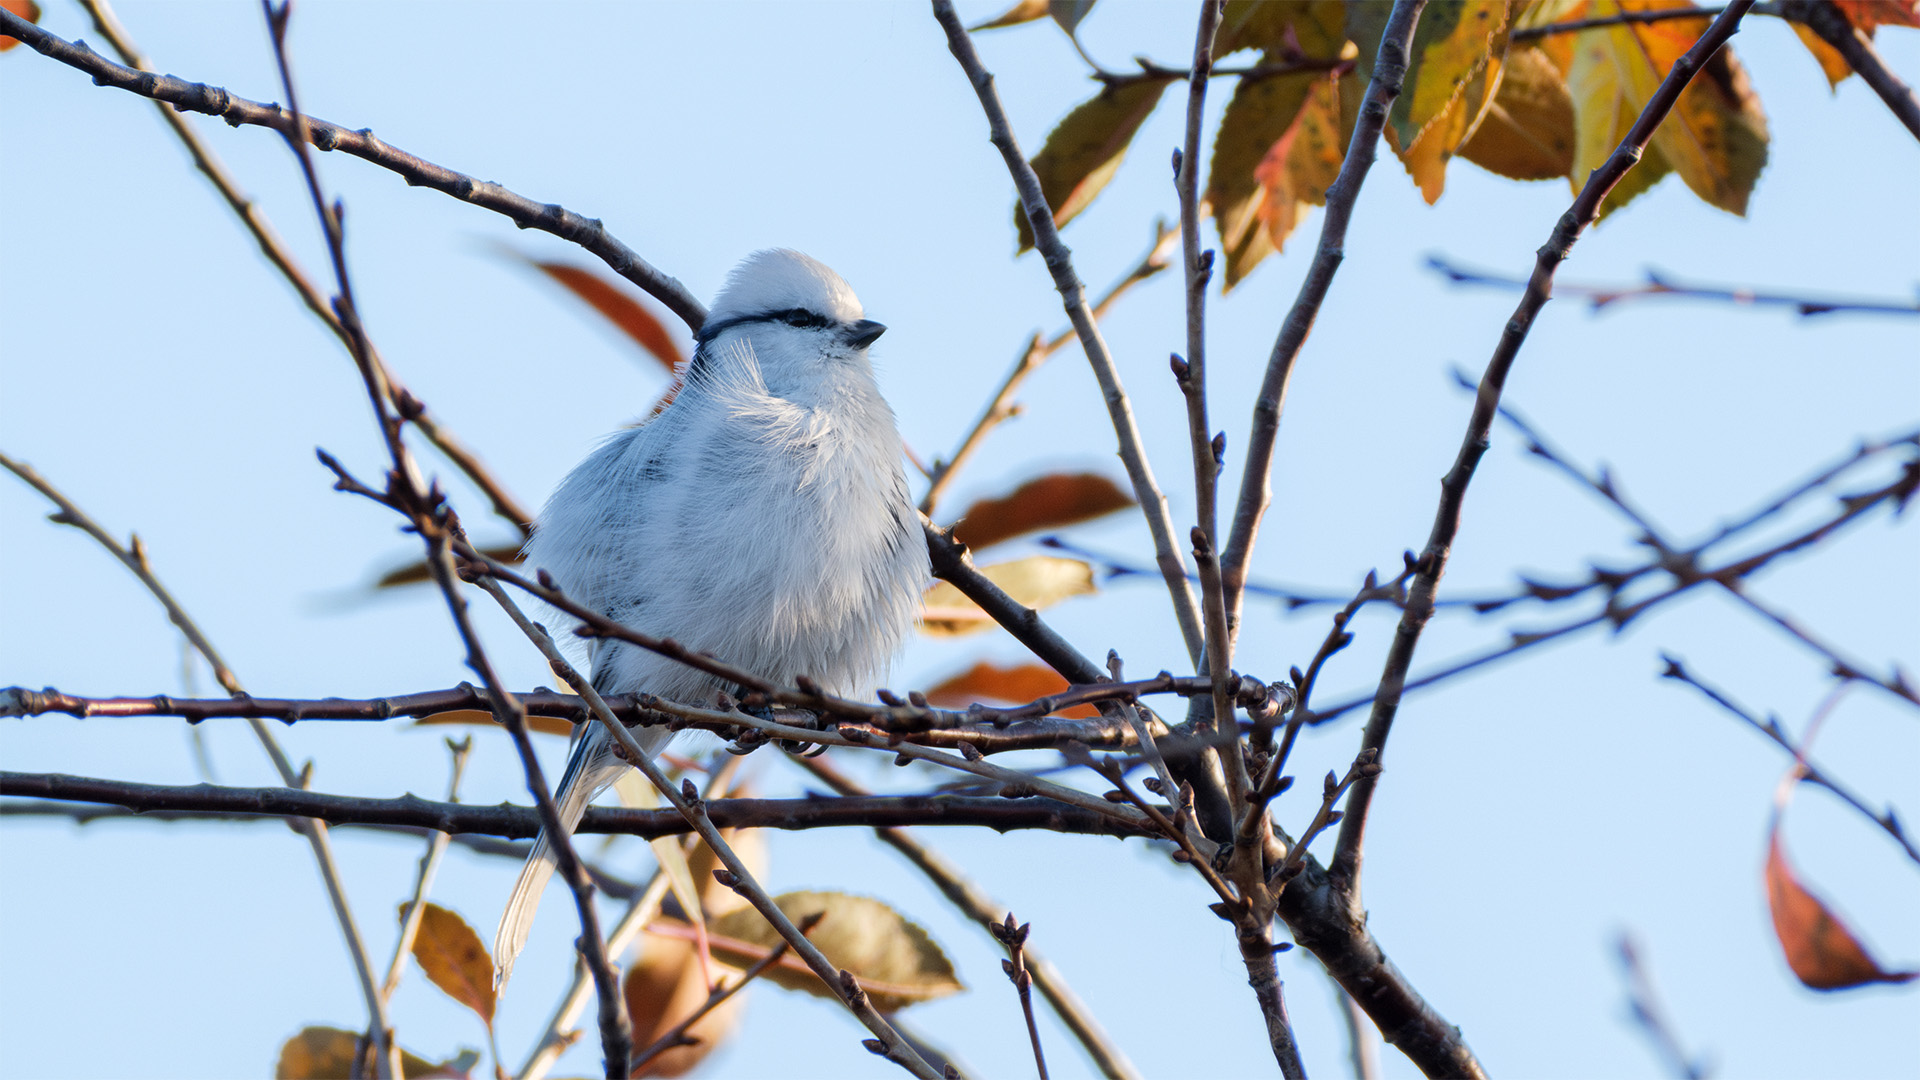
(894,959)
(1085,150)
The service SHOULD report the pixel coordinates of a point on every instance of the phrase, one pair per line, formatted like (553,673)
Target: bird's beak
(864,333)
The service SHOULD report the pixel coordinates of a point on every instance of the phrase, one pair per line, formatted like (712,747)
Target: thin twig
(423,882)
(1073,297)
(1002,408)
(1660,285)
(887,1042)
(526,213)
(1389,70)
(134,556)
(1208,449)
(1887,820)
(1013,935)
(1644,1006)
(964,894)
(677,1034)
(1345,864)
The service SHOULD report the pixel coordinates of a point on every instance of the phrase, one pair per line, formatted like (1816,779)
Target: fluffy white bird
(763,517)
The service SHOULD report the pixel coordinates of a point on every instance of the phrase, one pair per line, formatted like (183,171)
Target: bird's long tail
(590,768)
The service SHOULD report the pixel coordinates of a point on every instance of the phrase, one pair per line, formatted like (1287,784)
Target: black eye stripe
(796,317)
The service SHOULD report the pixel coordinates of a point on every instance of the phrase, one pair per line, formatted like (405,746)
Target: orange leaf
(664,988)
(1047,502)
(451,954)
(1820,949)
(1832,64)
(1867,15)
(27,10)
(1023,12)
(1527,133)
(1016,685)
(542,725)
(621,306)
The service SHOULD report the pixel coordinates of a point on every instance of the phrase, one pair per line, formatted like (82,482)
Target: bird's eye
(801,317)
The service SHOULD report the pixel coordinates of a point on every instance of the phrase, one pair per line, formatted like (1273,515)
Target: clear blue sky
(153,366)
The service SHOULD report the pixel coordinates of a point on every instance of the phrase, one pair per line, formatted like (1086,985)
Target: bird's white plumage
(763,517)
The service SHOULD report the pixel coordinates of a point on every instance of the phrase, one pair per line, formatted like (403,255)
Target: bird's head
(781,295)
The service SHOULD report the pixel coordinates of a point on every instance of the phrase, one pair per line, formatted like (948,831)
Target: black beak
(864,333)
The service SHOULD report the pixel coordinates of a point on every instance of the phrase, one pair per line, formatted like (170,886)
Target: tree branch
(1825,19)
(1389,69)
(553,218)
(1659,285)
(1345,866)
(1059,262)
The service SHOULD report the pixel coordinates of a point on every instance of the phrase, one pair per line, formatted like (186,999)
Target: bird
(762,517)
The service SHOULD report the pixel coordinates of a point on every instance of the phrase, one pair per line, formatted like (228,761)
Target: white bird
(762,517)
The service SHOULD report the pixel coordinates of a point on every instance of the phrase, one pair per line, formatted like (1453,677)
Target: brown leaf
(543,725)
(325,1053)
(1868,15)
(1820,949)
(1253,221)
(622,306)
(894,959)
(663,989)
(415,573)
(1832,64)
(1025,11)
(25,9)
(1048,502)
(1016,685)
(1085,150)
(1716,136)
(1528,131)
(1038,581)
(452,956)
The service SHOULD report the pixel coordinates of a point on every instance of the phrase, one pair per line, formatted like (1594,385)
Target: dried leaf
(620,304)
(1023,12)
(452,956)
(25,9)
(1820,949)
(1868,15)
(1068,13)
(664,988)
(325,1053)
(986,681)
(1262,114)
(416,573)
(1039,581)
(1832,64)
(1047,502)
(1716,136)
(894,959)
(1528,131)
(1085,150)
(542,725)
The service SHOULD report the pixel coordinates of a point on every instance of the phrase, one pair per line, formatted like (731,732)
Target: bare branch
(1013,935)
(134,556)
(423,882)
(1345,865)
(677,1034)
(964,894)
(1644,1006)
(1059,262)
(1389,69)
(553,218)
(1660,285)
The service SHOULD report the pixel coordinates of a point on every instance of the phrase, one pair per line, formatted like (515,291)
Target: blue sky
(154,367)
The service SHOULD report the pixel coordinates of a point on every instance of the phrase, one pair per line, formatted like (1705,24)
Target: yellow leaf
(1528,131)
(451,955)
(1716,136)
(1832,64)
(894,959)
(1023,12)
(1038,581)
(1085,150)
